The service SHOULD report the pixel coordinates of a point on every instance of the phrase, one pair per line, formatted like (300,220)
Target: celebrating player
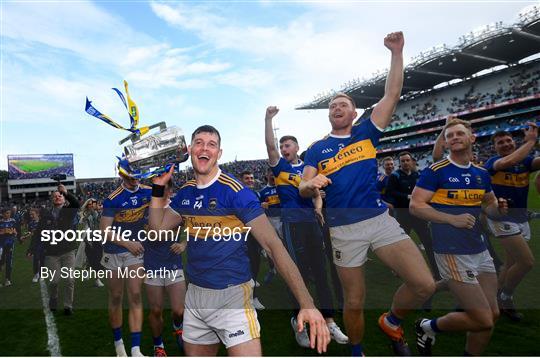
(344,164)
(219,212)
(451,195)
(301,233)
(125,208)
(509,171)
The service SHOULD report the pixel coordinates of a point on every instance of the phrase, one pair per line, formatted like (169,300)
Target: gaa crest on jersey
(212,204)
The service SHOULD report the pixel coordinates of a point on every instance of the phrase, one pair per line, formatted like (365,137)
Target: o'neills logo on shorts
(238,333)
(337,255)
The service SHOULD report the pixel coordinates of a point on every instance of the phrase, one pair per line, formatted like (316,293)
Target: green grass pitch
(87,332)
(32,166)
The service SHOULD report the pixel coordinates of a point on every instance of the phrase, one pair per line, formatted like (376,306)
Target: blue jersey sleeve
(246,205)
(109,209)
(175,202)
(367,127)
(489,164)
(528,162)
(311,158)
(487,181)
(278,168)
(428,180)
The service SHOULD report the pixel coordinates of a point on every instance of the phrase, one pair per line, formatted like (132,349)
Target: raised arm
(161,217)
(382,113)
(440,144)
(529,141)
(270,140)
(265,234)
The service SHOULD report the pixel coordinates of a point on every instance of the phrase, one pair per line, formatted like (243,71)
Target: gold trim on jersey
(131,215)
(441,164)
(115,193)
(520,180)
(250,312)
(189,183)
(227,180)
(285,178)
(462,197)
(201,226)
(272,199)
(353,153)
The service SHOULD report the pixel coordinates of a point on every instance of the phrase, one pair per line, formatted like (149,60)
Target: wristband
(158,191)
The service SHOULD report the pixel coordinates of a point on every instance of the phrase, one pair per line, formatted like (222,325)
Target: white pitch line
(53,342)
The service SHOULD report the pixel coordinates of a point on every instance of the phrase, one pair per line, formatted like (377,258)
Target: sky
(191,63)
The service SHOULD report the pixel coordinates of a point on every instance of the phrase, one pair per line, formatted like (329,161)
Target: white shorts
(276,223)
(166,279)
(225,315)
(502,229)
(464,268)
(350,243)
(121,260)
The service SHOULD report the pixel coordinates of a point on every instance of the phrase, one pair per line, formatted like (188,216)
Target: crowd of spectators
(503,87)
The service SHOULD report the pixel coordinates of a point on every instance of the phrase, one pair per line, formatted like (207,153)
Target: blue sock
(177,324)
(158,341)
(117,334)
(357,350)
(434,327)
(392,318)
(136,339)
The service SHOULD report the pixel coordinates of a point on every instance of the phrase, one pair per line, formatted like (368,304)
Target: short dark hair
(401,154)
(499,134)
(386,159)
(344,95)
(288,137)
(206,129)
(246,172)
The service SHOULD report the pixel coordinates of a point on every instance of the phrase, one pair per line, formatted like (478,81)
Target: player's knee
(135,299)
(354,302)
(483,322)
(156,311)
(177,312)
(423,288)
(115,300)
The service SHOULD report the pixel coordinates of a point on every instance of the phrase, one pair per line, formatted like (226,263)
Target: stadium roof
(494,45)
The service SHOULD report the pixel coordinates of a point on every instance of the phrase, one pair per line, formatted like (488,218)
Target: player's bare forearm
(270,141)
(383,111)
(267,237)
(516,157)
(305,191)
(419,207)
(438,148)
(156,212)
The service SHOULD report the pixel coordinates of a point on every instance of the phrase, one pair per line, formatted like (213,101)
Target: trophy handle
(136,136)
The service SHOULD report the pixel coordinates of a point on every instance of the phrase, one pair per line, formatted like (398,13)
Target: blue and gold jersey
(382,183)
(269,195)
(130,212)
(158,254)
(350,162)
(512,184)
(215,217)
(8,231)
(457,190)
(294,207)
